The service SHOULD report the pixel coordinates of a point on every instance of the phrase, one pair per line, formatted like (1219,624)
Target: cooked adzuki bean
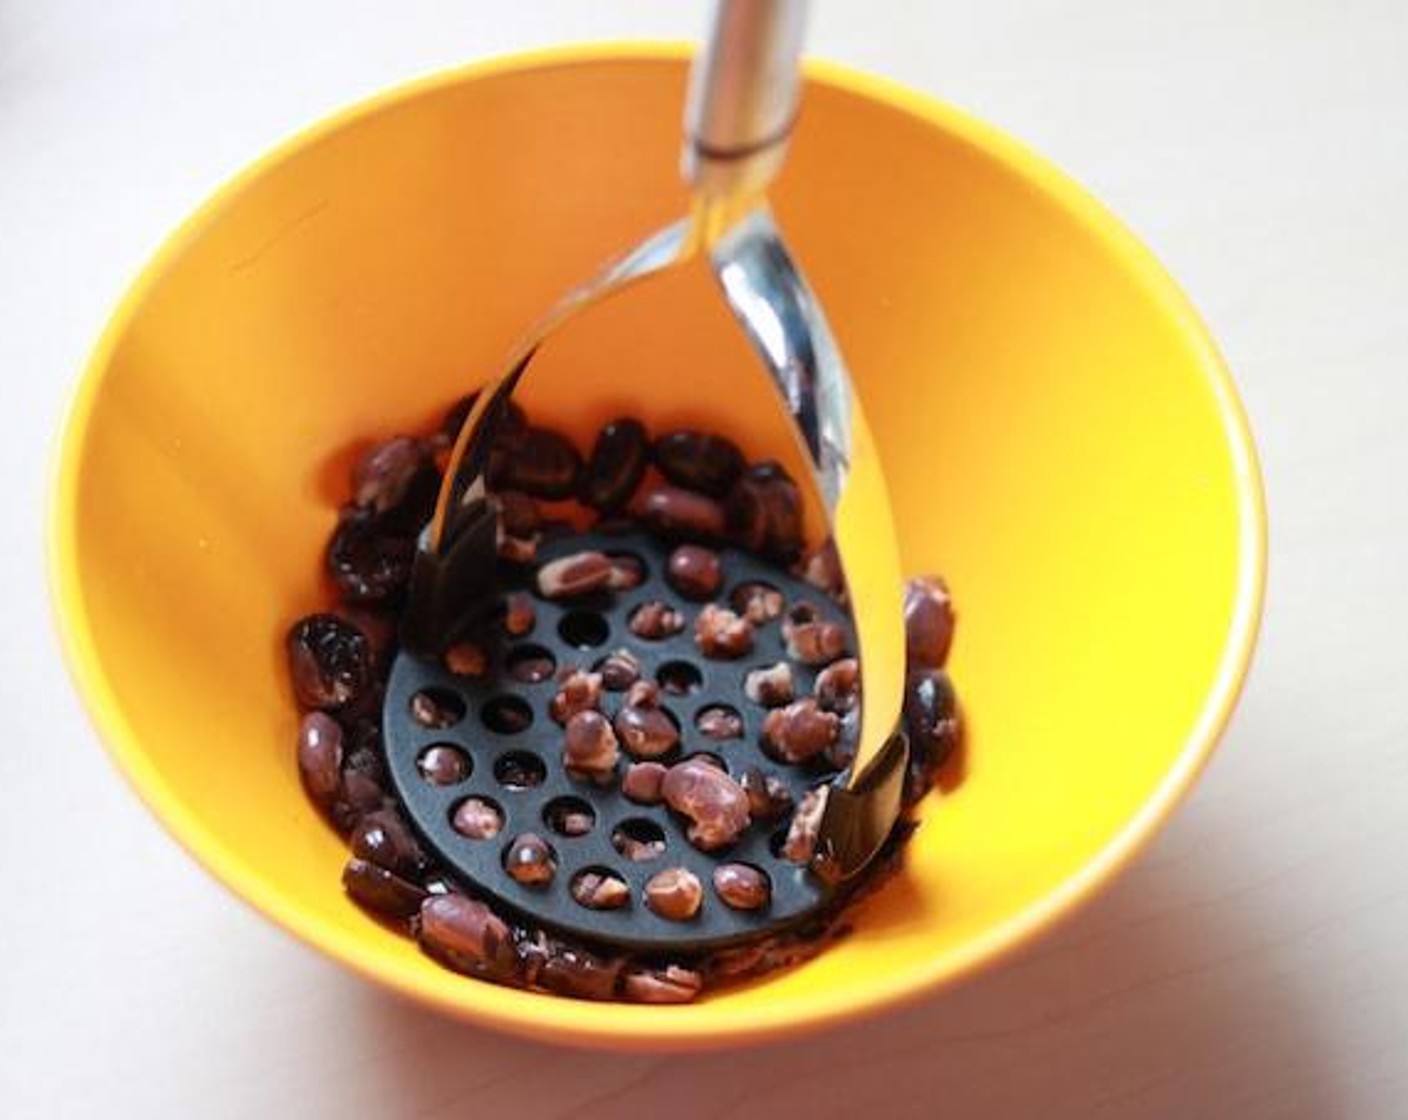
(842,752)
(571,970)
(673,512)
(599,890)
(379,627)
(466,935)
(674,894)
(382,837)
(782,504)
(385,472)
(542,463)
(655,620)
(568,817)
(646,732)
(837,687)
(477,819)
(363,789)
(443,765)
(577,691)
(643,694)
(715,804)
(367,560)
(616,465)
(772,686)
(619,669)
(590,749)
(530,860)
(763,512)
(694,571)
(745,516)
(742,886)
(800,731)
(517,550)
(627,572)
(531,667)
(810,639)
(520,616)
(719,721)
(699,461)
(719,633)
(802,833)
(671,984)
(578,574)
(759,603)
(466,659)
(329,662)
(380,890)
(642,781)
(434,709)
(637,848)
(931,718)
(822,569)
(928,622)
(320,757)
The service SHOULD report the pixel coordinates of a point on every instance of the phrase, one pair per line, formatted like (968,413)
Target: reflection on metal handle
(743,90)
(786,325)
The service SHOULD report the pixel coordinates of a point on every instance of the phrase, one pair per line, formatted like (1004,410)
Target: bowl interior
(1058,436)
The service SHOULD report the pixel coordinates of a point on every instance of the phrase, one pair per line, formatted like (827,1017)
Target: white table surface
(1252,965)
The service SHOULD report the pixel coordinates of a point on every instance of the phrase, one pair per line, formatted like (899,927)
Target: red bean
(715,804)
(694,571)
(742,886)
(590,748)
(320,757)
(542,463)
(928,622)
(800,731)
(674,893)
(380,890)
(699,461)
(616,465)
(329,662)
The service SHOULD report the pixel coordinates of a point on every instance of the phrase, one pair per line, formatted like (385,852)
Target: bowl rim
(635,1027)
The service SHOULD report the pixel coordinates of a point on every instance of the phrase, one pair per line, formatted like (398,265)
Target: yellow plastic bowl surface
(1059,435)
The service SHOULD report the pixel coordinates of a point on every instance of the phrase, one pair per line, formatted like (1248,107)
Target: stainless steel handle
(743,91)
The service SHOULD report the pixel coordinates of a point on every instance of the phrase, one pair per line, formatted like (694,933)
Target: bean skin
(928,622)
(699,461)
(616,465)
(329,662)
(320,757)
(715,804)
(380,890)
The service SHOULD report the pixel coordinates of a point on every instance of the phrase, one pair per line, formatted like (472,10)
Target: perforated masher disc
(521,772)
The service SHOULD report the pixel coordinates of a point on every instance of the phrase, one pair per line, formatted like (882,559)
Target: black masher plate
(563,628)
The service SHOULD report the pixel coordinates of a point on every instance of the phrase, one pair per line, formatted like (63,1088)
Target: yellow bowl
(1060,437)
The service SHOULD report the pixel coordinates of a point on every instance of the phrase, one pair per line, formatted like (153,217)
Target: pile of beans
(697,490)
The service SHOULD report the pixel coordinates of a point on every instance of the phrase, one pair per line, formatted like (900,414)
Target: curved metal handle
(454,579)
(743,90)
(771,300)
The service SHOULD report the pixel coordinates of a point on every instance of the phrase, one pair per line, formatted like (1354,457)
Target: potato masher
(741,108)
